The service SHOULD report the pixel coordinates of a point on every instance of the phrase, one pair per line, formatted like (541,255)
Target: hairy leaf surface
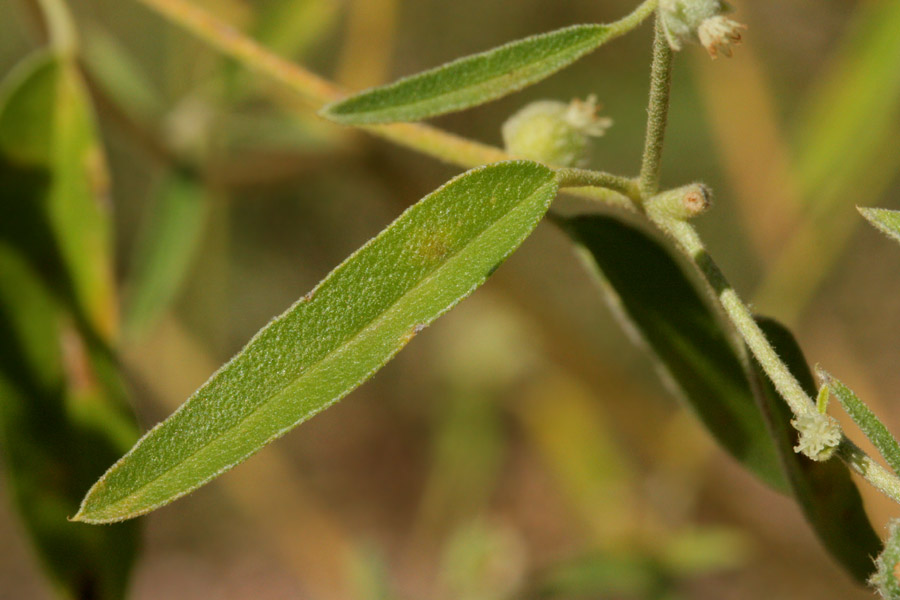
(887,221)
(866,420)
(470,81)
(649,289)
(334,338)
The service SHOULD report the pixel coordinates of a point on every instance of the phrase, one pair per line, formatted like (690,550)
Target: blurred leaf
(166,249)
(482,561)
(59,428)
(856,108)
(845,152)
(54,172)
(824,490)
(604,575)
(867,421)
(120,75)
(647,287)
(334,338)
(472,80)
(888,221)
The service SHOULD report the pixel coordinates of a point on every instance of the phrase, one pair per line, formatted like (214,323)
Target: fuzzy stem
(883,480)
(787,385)
(657,112)
(570,177)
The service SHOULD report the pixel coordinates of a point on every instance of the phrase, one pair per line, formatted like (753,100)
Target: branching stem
(603,186)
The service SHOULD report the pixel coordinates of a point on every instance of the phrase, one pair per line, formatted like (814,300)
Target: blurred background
(522,447)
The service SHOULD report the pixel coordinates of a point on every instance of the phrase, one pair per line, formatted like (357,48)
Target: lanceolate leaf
(865,419)
(824,490)
(472,80)
(334,338)
(888,221)
(648,288)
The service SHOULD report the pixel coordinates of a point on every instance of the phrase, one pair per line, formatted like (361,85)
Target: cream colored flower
(718,33)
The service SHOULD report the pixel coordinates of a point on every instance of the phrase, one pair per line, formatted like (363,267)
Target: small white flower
(718,33)
(820,435)
(699,21)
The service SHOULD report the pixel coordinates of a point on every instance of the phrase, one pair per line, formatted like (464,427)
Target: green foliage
(648,288)
(472,80)
(49,153)
(885,579)
(887,221)
(334,338)
(824,490)
(63,413)
(867,421)
(167,248)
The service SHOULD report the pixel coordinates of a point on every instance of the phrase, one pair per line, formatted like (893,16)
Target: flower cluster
(700,21)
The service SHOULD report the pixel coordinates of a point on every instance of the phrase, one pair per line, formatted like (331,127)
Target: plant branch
(569,177)
(657,112)
(788,387)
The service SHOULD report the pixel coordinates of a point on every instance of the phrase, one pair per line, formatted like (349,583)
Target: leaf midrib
(346,341)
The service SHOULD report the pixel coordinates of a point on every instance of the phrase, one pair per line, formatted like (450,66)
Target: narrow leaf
(648,288)
(472,80)
(333,339)
(166,249)
(824,490)
(888,221)
(865,419)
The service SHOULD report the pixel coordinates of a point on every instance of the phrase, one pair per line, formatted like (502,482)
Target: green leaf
(59,428)
(166,249)
(470,81)
(888,221)
(63,412)
(333,339)
(656,299)
(824,490)
(867,421)
(53,169)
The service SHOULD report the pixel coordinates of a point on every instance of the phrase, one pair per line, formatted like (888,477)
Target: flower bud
(700,21)
(554,132)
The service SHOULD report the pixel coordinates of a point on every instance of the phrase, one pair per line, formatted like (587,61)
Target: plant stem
(883,480)
(657,112)
(787,385)
(568,177)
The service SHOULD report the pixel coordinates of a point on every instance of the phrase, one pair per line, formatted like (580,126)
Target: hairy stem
(657,112)
(787,385)
(584,178)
